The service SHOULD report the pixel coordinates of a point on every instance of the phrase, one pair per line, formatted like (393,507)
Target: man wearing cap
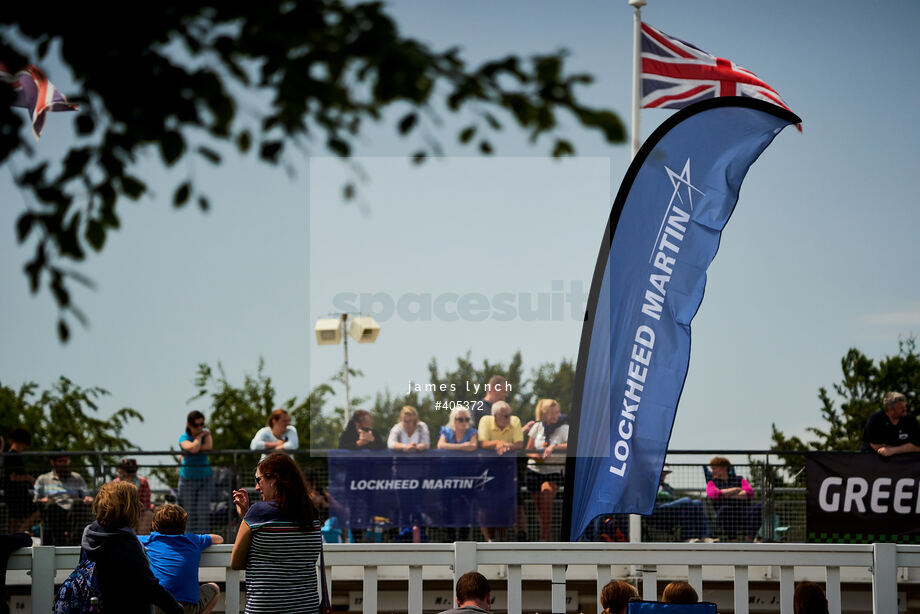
(65,501)
(892,430)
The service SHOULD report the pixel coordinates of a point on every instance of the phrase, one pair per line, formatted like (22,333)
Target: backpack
(78,590)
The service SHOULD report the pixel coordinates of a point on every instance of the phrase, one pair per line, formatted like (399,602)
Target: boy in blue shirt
(174,558)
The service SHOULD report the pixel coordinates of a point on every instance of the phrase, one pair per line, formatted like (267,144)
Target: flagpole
(635,521)
(637,74)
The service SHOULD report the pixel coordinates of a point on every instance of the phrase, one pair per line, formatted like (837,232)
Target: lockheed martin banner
(437,488)
(862,497)
(662,233)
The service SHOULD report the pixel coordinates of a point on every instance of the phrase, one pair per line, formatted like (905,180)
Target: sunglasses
(198,424)
(259,479)
(463,419)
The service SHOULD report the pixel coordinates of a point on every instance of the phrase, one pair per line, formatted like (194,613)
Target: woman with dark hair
(615,596)
(196,479)
(278,434)
(125,580)
(279,540)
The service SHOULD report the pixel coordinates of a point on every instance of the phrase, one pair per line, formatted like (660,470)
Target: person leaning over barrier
(892,430)
(277,435)
(409,434)
(474,595)
(501,431)
(174,558)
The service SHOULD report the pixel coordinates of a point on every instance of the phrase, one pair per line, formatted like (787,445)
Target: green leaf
(85,124)
(95,234)
(24,225)
(466,135)
(172,146)
(212,156)
(563,148)
(203,203)
(182,194)
(270,151)
(485,147)
(63,331)
(132,186)
(339,146)
(244,141)
(348,191)
(407,123)
(419,157)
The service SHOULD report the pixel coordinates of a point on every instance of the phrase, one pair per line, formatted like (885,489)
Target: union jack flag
(676,74)
(35,93)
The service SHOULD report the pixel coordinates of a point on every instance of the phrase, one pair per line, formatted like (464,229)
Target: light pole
(330,331)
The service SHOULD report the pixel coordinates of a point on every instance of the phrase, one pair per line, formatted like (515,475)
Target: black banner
(862,497)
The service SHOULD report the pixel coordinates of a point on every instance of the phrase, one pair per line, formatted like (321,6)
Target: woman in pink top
(735,510)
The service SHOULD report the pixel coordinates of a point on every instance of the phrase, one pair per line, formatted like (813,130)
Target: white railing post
(884,578)
(741,589)
(515,603)
(232,591)
(557,599)
(832,586)
(464,559)
(415,589)
(43,569)
(786,588)
(695,578)
(650,583)
(369,594)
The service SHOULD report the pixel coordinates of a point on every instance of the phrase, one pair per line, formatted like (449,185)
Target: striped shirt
(281,564)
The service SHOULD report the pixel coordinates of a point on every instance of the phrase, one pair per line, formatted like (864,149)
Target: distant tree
(862,388)
(186,77)
(63,418)
(60,417)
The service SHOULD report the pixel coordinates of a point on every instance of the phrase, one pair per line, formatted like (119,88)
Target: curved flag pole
(662,233)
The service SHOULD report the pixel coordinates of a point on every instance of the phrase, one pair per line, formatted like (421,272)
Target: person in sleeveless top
(279,540)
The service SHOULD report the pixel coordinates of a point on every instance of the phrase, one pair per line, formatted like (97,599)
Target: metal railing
(779,495)
(510,564)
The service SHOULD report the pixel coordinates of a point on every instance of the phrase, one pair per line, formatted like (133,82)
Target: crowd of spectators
(61,499)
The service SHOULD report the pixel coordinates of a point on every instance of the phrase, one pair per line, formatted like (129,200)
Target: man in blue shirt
(174,558)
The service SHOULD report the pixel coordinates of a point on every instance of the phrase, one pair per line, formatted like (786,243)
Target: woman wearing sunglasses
(279,540)
(459,433)
(196,480)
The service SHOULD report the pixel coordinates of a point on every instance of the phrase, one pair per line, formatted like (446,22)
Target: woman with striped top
(279,540)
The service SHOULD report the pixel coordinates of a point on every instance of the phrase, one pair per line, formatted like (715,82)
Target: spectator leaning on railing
(277,435)
(892,430)
(543,478)
(458,434)
(358,434)
(409,434)
(174,558)
(196,479)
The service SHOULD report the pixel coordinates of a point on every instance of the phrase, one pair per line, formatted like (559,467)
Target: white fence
(884,565)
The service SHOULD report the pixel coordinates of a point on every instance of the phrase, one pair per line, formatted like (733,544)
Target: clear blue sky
(816,258)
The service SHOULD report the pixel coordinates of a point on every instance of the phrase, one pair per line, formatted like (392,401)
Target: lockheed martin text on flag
(663,231)
(676,74)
